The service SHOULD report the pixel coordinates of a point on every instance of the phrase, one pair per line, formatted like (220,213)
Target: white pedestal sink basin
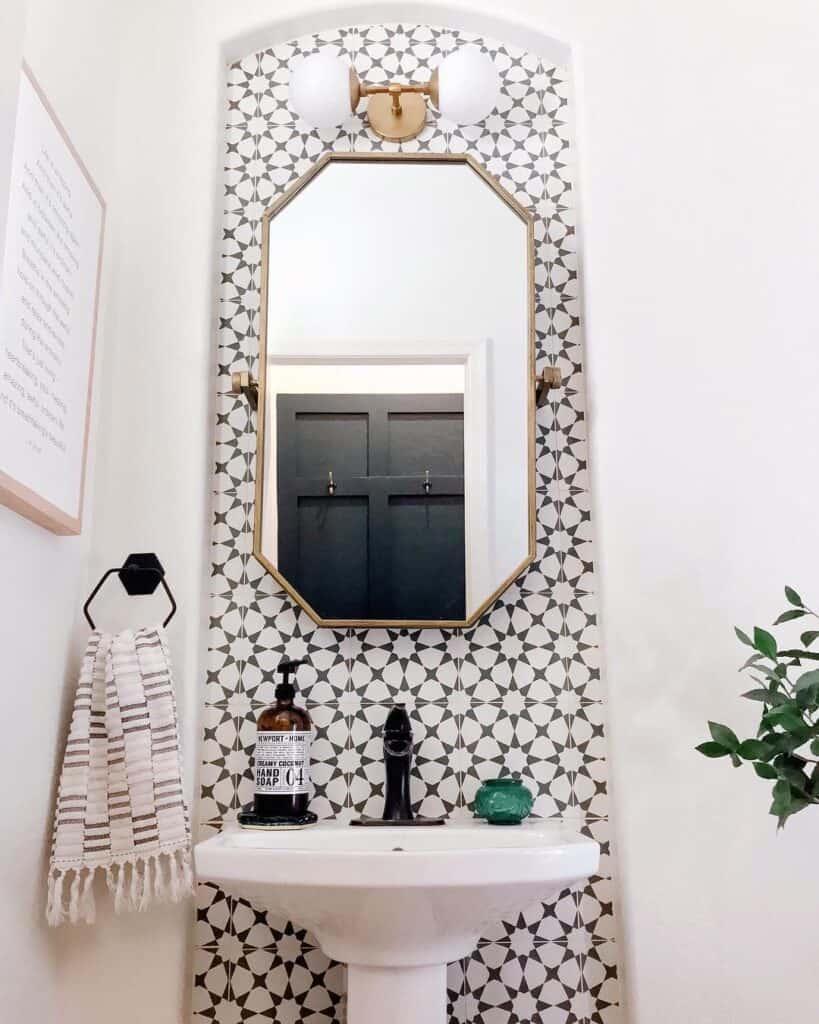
(398,904)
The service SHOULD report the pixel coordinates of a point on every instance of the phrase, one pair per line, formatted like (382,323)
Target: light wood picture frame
(49,302)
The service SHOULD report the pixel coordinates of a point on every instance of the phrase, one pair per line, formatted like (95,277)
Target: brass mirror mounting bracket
(397,111)
(549,378)
(243,383)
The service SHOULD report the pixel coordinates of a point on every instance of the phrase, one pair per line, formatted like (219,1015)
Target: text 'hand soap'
(282,758)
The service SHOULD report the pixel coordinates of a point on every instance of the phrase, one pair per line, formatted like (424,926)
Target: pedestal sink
(398,904)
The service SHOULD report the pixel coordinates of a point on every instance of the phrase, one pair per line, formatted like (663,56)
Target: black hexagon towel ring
(142,573)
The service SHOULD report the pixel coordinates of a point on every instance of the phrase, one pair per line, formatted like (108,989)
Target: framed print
(48,318)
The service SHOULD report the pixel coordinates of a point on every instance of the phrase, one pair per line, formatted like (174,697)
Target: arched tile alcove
(522,687)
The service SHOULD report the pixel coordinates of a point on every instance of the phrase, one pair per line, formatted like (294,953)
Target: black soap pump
(282,760)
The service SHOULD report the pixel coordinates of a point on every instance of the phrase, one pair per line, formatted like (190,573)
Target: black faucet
(397,758)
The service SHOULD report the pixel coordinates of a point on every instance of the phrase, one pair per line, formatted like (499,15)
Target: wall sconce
(325,90)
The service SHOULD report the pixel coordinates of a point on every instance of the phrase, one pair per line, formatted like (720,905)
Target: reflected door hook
(331,484)
(427,482)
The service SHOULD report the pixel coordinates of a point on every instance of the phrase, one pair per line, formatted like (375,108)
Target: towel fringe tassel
(160,892)
(175,883)
(145,886)
(56,889)
(88,906)
(74,899)
(71,890)
(134,893)
(187,870)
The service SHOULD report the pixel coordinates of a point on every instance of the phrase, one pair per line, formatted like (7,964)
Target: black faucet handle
(397,760)
(398,747)
(398,733)
(398,722)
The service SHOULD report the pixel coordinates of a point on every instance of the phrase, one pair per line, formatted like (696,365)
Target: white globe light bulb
(320,90)
(468,85)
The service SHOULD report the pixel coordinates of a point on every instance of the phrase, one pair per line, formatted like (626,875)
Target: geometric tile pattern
(520,689)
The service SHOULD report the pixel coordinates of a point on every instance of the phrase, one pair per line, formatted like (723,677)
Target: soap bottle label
(282,763)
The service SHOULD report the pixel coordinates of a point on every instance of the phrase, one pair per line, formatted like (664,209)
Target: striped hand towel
(120,807)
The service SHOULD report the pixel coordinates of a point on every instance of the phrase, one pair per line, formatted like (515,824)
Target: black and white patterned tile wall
(520,690)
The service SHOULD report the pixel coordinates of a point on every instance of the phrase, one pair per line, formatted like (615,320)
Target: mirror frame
(287,197)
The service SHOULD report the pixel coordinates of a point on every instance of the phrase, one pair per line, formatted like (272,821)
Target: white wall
(132,968)
(155,449)
(699,207)
(12,26)
(700,215)
(43,576)
(365,379)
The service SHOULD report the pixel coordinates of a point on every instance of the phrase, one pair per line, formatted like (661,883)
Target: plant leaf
(712,749)
(792,613)
(780,741)
(791,767)
(750,661)
(807,679)
(765,771)
(743,637)
(787,716)
(781,798)
(797,804)
(770,675)
(755,750)
(793,597)
(724,736)
(776,696)
(808,637)
(810,655)
(785,742)
(814,747)
(761,695)
(764,643)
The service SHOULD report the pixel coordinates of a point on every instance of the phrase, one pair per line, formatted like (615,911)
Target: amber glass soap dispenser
(282,760)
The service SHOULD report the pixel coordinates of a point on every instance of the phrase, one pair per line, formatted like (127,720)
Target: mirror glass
(396,409)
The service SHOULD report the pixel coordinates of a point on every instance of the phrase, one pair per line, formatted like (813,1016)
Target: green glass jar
(503,801)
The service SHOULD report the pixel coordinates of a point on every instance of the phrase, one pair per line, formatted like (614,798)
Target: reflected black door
(379,546)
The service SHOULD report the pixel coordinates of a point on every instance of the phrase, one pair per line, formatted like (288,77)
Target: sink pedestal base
(396,995)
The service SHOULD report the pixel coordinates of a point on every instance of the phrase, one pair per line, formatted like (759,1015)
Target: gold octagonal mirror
(395,482)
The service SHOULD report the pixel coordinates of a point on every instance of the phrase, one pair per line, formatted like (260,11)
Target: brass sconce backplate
(399,124)
(396,111)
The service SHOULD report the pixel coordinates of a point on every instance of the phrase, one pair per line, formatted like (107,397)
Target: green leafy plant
(785,749)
